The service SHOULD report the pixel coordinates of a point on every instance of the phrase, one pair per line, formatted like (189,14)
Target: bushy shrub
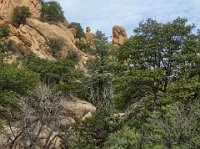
(14,81)
(126,138)
(74,55)
(52,12)
(19,15)
(55,45)
(91,133)
(79,29)
(61,73)
(4,32)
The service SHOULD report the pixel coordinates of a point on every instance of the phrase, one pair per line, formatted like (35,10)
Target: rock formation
(119,35)
(78,107)
(88,36)
(73,32)
(34,34)
(7,6)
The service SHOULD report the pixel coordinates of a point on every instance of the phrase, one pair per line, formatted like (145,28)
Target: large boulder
(119,35)
(79,107)
(7,7)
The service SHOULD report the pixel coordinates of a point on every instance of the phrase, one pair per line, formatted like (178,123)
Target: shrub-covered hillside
(143,94)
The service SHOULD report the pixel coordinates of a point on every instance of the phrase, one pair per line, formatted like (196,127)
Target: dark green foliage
(82,46)
(55,45)
(52,12)
(8,45)
(19,15)
(100,64)
(73,55)
(126,138)
(91,133)
(156,81)
(49,71)
(160,85)
(14,81)
(79,29)
(61,73)
(156,49)
(99,86)
(4,32)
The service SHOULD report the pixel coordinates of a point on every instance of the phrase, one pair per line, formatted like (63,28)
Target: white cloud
(103,14)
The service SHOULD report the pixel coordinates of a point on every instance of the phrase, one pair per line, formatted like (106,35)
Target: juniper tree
(100,83)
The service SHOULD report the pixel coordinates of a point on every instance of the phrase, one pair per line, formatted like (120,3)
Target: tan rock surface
(27,38)
(119,35)
(73,31)
(7,7)
(88,35)
(79,108)
(53,31)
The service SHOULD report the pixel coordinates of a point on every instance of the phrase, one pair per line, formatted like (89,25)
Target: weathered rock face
(119,35)
(27,38)
(7,6)
(34,34)
(73,32)
(53,31)
(80,108)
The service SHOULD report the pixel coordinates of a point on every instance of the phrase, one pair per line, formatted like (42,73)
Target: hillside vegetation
(146,91)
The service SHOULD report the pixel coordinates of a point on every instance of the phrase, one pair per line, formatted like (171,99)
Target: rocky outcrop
(88,36)
(53,31)
(27,38)
(79,107)
(119,35)
(34,35)
(7,6)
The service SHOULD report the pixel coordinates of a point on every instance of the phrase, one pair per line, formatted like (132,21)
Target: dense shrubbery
(92,133)
(14,81)
(52,12)
(4,32)
(55,45)
(19,15)
(79,29)
(73,55)
(153,80)
(61,73)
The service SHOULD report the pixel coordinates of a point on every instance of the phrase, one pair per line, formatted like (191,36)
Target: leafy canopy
(79,29)
(52,12)
(19,15)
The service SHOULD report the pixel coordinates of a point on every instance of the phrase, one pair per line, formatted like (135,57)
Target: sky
(104,14)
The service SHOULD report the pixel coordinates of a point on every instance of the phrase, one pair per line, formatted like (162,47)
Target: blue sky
(103,14)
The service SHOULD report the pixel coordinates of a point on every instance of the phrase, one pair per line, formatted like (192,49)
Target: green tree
(126,138)
(4,32)
(152,57)
(91,133)
(14,81)
(79,29)
(52,12)
(61,73)
(19,15)
(160,85)
(55,45)
(99,85)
